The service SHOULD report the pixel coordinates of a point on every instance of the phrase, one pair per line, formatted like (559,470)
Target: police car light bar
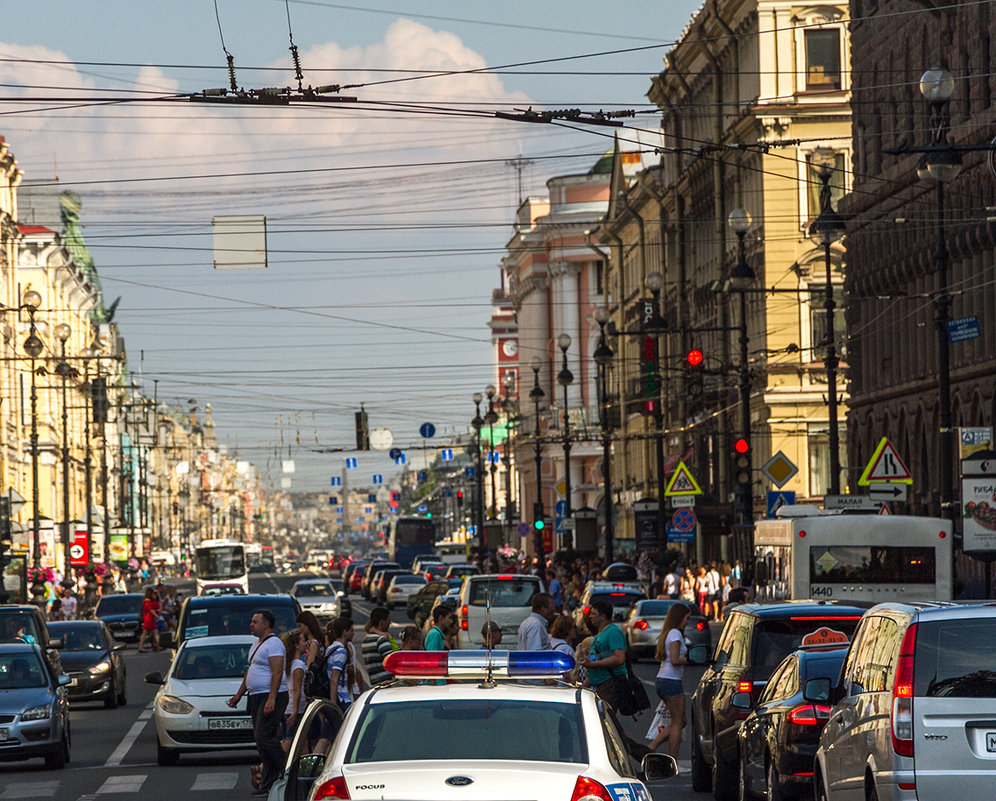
(478,664)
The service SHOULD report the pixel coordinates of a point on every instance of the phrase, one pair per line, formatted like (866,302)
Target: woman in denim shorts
(673,654)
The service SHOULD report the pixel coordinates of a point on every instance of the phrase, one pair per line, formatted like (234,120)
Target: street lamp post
(603,356)
(491,417)
(33,347)
(478,423)
(64,371)
(655,328)
(510,416)
(565,378)
(942,163)
(537,394)
(741,277)
(826,229)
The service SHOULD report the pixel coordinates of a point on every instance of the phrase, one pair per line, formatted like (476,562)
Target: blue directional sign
(963,328)
(779,498)
(394,453)
(340,510)
(469,472)
(423,508)
(333,501)
(350,462)
(422,475)
(378,478)
(427,430)
(401,459)
(560,508)
(446,454)
(338,519)
(336,481)
(371,498)
(494,457)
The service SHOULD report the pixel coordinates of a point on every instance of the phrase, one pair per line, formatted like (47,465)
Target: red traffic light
(741,445)
(694,357)
(460,494)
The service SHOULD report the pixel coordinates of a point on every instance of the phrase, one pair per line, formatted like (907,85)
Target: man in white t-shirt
(672,583)
(266,683)
(712,588)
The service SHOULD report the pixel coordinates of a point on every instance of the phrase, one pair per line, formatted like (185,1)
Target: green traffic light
(539,525)
(428,514)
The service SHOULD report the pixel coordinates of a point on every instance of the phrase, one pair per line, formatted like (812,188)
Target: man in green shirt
(606,661)
(443,625)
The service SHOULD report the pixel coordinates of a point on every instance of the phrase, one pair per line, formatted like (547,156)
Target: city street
(113,752)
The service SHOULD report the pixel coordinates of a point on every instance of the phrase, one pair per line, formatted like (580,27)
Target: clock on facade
(510,347)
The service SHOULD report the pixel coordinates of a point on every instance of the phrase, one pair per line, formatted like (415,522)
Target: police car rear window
(469,729)
(955,659)
(503,592)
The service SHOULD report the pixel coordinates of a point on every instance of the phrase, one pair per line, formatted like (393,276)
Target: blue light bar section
(538,663)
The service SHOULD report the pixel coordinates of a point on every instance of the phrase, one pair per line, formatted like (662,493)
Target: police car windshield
(469,729)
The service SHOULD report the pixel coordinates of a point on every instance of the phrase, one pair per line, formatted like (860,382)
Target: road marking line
(116,758)
(216,781)
(145,714)
(122,784)
(30,789)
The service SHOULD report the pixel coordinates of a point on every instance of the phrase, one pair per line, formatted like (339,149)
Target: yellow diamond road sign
(779,469)
(682,483)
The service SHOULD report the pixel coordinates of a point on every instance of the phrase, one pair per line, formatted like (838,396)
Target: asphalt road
(113,751)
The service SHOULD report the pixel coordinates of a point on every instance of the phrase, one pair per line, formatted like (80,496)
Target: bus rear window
(955,659)
(876,564)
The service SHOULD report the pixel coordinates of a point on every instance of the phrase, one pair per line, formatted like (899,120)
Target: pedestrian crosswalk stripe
(216,781)
(30,789)
(122,784)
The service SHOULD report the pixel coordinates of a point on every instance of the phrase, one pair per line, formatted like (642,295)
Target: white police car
(485,737)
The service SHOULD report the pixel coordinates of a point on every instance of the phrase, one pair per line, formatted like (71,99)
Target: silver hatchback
(914,714)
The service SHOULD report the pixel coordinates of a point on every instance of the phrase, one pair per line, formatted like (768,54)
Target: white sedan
(483,738)
(401,588)
(190,710)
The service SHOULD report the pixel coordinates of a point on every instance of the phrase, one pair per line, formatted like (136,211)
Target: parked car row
(842,701)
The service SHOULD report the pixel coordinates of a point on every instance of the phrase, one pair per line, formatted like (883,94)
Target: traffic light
(98,398)
(741,476)
(362,431)
(695,369)
(5,537)
(460,499)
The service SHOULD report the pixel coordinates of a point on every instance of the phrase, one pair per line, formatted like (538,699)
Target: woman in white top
(673,655)
(296,645)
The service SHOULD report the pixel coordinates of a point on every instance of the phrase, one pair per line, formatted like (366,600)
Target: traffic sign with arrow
(887,492)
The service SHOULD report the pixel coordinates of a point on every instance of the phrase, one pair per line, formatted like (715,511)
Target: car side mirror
(309,767)
(698,655)
(742,701)
(817,690)
(154,678)
(658,767)
(63,679)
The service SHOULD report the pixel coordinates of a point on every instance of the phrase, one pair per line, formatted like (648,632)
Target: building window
(818,320)
(823,59)
(819,457)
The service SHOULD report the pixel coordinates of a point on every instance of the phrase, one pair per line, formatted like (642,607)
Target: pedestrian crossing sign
(682,483)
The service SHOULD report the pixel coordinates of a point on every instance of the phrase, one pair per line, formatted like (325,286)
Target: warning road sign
(682,483)
(885,465)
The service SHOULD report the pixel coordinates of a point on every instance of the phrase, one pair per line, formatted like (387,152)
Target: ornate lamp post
(62,332)
(603,356)
(825,230)
(33,347)
(655,328)
(565,378)
(478,423)
(491,417)
(741,277)
(537,394)
(508,382)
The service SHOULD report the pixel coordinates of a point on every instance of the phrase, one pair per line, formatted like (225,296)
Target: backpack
(315,683)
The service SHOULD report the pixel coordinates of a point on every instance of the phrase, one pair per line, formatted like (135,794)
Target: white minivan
(913,717)
(506,599)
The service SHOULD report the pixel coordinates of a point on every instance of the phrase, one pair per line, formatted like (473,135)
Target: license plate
(214,724)
(3,735)
(991,740)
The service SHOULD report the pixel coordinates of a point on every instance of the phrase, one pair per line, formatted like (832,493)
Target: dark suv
(755,639)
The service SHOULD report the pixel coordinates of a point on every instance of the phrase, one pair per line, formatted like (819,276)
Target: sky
(386,218)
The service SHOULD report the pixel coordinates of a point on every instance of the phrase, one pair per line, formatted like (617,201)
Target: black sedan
(778,739)
(123,615)
(91,660)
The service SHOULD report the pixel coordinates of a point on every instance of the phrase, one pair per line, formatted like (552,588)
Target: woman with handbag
(673,654)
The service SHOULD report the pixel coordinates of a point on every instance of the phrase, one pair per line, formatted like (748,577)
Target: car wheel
(701,778)
(774,787)
(166,757)
(111,699)
(59,758)
(724,780)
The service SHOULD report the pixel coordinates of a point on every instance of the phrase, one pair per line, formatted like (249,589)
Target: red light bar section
(418,663)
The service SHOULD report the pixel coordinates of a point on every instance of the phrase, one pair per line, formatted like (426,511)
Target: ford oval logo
(459,781)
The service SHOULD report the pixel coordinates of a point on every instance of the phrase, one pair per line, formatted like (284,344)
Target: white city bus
(221,562)
(810,553)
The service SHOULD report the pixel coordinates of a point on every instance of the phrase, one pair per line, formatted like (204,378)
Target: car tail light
(809,715)
(701,626)
(745,687)
(586,789)
(396,589)
(333,788)
(902,697)
(464,623)
(641,624)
